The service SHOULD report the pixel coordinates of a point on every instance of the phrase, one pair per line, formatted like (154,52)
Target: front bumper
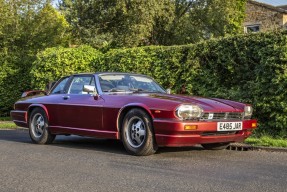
(172,133)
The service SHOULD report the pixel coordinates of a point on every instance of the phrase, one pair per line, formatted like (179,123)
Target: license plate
(229,126)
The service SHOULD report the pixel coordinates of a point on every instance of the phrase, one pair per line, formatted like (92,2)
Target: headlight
(248,112)
(185,112)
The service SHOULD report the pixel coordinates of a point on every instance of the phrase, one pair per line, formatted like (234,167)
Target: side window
(60,87)
(78,83)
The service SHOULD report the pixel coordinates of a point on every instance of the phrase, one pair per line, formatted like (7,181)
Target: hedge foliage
(14,78)
(54,63)
(247,68)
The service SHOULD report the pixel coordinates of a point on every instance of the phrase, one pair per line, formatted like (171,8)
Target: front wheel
(137,133)
(215,146)
(38,127)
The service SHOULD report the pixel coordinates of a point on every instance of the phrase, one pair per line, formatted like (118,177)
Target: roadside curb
(22,128)
(14,128)
(247,147)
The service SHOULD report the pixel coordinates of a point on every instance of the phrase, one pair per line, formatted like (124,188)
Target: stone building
(264,17)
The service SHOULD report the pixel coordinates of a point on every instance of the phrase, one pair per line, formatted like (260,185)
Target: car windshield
(128,83)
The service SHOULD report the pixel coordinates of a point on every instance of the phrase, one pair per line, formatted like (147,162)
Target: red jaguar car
(134,109)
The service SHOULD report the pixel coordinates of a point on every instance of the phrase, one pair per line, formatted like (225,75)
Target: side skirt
(83,132)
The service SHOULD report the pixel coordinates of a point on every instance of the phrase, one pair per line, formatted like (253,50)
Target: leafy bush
(14,78)
(57,62)
(156,61)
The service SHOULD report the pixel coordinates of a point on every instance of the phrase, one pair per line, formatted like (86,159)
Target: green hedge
(22,71)
(54,63)
(247,68)
(14,78)
(162,63)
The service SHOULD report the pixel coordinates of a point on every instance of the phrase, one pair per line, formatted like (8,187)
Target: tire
(137,133)
(38,127)
(215,146)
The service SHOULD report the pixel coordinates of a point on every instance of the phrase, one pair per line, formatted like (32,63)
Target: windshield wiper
(136,90)
(154,92)
(143,90)
(115,90)
(139,90)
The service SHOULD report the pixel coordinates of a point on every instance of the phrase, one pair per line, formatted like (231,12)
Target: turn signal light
(253,125)
(190,127)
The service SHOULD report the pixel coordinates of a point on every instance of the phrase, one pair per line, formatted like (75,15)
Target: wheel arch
(123,111)
(32,107)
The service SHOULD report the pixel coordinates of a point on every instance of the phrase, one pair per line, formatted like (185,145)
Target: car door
(78,109)
(54,102)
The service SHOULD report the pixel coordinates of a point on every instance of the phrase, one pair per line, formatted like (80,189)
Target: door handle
(66,97)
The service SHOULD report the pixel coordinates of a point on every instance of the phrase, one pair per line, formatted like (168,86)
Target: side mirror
(91,89)
(33,93)
(168,91)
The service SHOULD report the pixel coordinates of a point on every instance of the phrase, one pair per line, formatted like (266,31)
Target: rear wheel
(38,127)
(215,146)
(137,133)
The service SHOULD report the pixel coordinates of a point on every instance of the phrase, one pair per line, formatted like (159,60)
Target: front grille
(222,116)
(215,133)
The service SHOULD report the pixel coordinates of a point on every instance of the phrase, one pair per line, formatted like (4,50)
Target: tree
(197,20)
(26,27)
(31,25)
(116,23)
(48,29)
(129,23)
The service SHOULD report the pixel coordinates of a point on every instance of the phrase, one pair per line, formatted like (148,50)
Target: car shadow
(179,149)
(87,143)
(77,142)
(15,135)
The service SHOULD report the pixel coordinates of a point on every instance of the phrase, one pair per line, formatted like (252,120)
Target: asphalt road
(87,164)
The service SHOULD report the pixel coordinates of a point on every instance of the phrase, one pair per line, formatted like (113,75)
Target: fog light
(253,125)
(190,127)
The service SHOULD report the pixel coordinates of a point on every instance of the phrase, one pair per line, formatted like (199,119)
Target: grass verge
(7,125)
(5,119)
(267,141)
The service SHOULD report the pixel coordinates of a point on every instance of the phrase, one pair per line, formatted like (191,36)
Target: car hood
(207,104)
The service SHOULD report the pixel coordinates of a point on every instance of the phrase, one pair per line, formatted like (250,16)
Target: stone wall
(267,17)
